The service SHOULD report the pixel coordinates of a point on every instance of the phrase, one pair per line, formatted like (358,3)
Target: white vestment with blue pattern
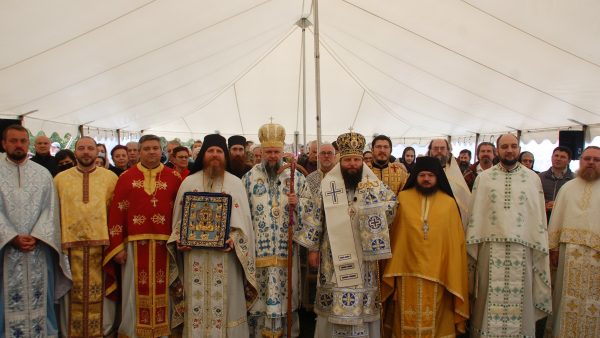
(32,282)
(270,220)
(348,311)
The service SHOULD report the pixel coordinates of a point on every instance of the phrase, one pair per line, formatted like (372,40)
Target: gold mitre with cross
(351,144)
(271,135)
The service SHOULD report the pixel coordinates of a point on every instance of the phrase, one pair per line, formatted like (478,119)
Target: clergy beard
(351,180)
(443,160)
(427,191)
(16,155)
(237,164)
(272,170)
(508,162)
(486,161)
(588,174)
(214,169)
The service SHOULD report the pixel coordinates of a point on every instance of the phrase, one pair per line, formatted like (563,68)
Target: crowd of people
(426,245)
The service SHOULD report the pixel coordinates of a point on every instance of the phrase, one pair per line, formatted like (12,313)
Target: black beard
(427,191)
(272,170)
(381,163)
(17,156)
(237,164)
(508,162)
(351,180)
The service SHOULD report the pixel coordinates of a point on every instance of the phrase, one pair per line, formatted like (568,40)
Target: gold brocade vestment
(427,274)
(84,201)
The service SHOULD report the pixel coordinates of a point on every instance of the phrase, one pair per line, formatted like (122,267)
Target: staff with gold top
(270,190)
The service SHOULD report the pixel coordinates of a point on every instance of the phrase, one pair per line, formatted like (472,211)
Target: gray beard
(443,160)
(272,170)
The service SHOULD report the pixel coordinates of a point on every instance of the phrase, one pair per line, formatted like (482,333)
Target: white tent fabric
(412,70)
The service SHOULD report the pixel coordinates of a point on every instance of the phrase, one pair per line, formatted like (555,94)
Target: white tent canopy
(408,69)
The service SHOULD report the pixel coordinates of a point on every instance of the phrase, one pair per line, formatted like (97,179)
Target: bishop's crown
(351,144)
(271,135)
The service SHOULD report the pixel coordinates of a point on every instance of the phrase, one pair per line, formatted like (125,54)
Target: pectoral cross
(154,200)
(425,229)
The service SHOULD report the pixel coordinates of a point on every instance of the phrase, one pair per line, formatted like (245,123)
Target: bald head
(88,139)
(42,145)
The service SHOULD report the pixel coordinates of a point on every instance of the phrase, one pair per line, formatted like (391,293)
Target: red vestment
(141,213)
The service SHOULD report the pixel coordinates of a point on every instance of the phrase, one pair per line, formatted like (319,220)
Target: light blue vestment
(31,282)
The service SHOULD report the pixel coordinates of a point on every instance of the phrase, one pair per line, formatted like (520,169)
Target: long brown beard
(588,174)
(214,170)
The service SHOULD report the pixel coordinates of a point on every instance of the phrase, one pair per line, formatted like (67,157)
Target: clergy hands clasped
(24,243)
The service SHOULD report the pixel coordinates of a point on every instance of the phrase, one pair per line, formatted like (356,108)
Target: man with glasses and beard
(347,221)
(34,273)
(426,277)
(507,244)
(574,236)
(237,156)
(85,193)
(441,149)
(268,187)
(214,273)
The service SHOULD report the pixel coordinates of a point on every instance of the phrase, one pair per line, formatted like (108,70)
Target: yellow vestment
(84,201)
(427,274)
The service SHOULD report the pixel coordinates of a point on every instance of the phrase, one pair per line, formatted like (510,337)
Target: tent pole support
(317,69)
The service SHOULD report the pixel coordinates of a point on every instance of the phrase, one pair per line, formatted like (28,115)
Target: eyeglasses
(326,153)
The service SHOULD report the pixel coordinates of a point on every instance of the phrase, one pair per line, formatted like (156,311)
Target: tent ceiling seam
(358,108)
(471,59)
(76,36)
(359,82)
(188,127)
(238,77)
(179,87)
(155,78)
(431,74)
(143,54)
(246,71)
(237,105)
(424,94)
(531,35)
